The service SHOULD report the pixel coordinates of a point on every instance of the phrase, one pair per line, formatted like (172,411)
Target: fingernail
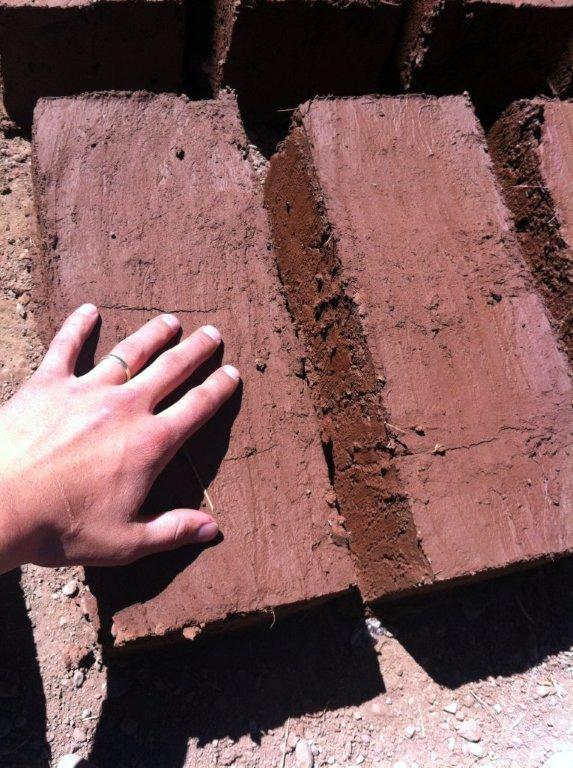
(87,309)
(211,331)
(231,371)
(171,321)
(207,532)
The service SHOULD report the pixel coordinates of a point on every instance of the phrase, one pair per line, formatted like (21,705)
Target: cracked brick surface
(147,204)
(278,53)
(532,148)
(498,50)
(64,47)
(444,397)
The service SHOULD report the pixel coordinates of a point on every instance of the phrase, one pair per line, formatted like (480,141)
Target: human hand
(78,455)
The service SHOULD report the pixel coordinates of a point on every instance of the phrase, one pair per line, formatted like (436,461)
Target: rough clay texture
(59,48)
(331,47)
(158,195)
(443,392)
(495,49)
(532,148)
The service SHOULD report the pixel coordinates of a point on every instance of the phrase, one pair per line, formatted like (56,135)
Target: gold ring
(121,361)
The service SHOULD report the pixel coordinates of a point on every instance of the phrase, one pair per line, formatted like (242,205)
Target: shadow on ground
(499,627)
(234,685)
(22,702)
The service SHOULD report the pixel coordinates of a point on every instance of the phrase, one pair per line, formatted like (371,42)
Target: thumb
(176,528)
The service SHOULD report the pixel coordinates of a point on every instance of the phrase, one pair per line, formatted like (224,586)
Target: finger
(175,529)
(136,350)
(175,365)
(63,352)
(200,404)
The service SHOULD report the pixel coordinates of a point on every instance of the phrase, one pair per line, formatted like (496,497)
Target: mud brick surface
(148,204)
(64,47)
(498,50)
(444,398)
(532,148)
(278,53)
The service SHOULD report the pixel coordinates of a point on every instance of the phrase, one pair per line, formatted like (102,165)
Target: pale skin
(78,455)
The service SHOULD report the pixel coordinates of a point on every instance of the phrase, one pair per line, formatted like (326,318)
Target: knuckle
(123,399)
(205,399)
(154,439)
(62,340)
(174,360)
(180,530)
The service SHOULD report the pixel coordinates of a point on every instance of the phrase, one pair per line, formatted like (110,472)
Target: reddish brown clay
(148,204)
(532,148)
(278,53)
(62,47)
(498,50)
(442,391)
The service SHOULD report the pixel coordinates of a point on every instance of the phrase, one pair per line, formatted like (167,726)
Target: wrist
(12,536)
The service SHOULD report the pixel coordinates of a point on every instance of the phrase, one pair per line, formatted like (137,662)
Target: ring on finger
(120,361)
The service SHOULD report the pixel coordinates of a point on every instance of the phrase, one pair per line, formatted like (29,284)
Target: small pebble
(86,713)
(360,759)
(460,715)
(78,678)
(542,691)
(470,731)
(303,754)
(409,732)
(71,588)
(358,715)
(477,750)
(451,708)
(79,735)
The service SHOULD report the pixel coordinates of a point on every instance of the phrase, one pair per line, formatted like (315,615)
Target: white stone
(71,588)
(451,708)
(470,731)
(303,754)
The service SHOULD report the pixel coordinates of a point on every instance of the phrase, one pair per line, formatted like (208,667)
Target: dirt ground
(481,675)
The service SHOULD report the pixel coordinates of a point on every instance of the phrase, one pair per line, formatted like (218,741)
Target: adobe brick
(147,204)
(497,50)
(64,47)
(277,54)
(532,148)
(444,397)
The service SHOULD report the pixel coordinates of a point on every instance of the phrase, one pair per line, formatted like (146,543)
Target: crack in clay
(485,441)
(249,454)
(124,308)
